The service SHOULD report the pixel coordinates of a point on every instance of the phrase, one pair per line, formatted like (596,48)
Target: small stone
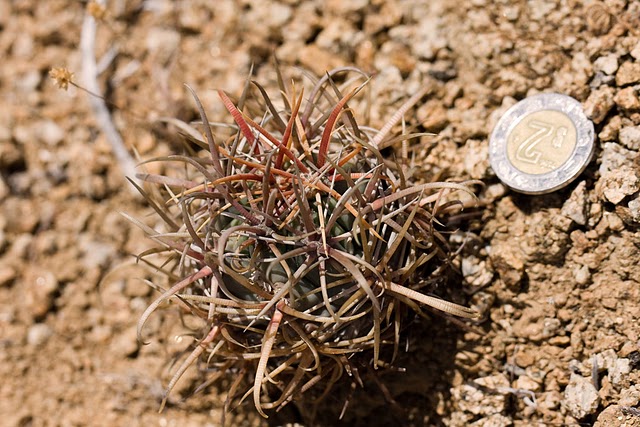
(576,205)
(619,371)
(610,130)
(634,209)
(635,52)
(525,382)
(433,116)
(162,43)
(317,59)
(628,73)
(136,288)
(608,64)
(618,184)
(508,262)
(95,253)
(627,99)
(41,286)
(546,237)
(630,396)
(580,397)
(475,271)
(474,400)
(581,275)
(601,79)
(511,13)
(630,137)
(494,420)
(48,132)
(614,156)
(614,416)
(524,358)
(599,103)
(126,343)
(476,158)
(618,177)
(494,192)
(7,273)
(39,334)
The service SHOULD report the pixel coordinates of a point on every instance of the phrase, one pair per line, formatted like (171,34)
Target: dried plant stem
(102,114)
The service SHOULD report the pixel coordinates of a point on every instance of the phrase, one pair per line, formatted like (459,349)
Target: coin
(542,143)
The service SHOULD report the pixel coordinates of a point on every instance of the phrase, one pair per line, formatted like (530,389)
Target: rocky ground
(557,276)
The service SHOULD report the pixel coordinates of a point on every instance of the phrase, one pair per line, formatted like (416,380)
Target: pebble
(40,288)
(576,205)
(630,396)
(627,99)
(508,263)
(162,43)
(608,64)
(618,184)
(95,253)
(634,209)
(601,79)
(126,343)
(614,156)
(615,416)
(580,397)
(628,73)
(48,132)
(476,158)
(7,273)
(525,382)
(610,130)
(433,116)
(582,275)
(635,52)
(599,103)
(475,271)
(546,239)
(617,367)
(39,334)
(478,402)
(630,137)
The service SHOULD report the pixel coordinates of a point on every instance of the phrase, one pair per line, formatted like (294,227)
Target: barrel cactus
(297,242)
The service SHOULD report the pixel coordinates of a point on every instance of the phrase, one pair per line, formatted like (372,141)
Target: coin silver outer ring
(557,178)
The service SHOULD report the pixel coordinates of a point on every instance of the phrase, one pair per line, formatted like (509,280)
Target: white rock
(630,396)
(38,334)
(476,401)
(162,43)
(576,205)
(619,371)
(607,64)
(618,176)
(630,137)
(616,185)
(48,132)
(580,397)
(634,209)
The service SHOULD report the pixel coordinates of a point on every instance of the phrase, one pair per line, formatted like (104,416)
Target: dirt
(555,276)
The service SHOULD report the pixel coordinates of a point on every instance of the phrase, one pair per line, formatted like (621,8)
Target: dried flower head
(62,77)
(297,244)
(97,10)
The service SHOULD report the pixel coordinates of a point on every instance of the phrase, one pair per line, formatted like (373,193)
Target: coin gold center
(541,142)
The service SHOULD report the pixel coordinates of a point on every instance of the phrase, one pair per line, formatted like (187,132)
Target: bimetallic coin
(541,144)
